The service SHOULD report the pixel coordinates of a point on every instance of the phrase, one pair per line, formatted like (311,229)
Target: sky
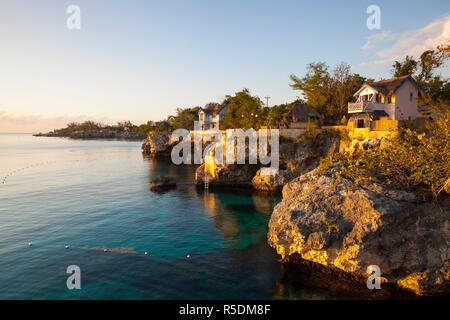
(139,60)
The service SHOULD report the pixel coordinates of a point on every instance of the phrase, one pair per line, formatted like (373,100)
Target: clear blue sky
(140,60)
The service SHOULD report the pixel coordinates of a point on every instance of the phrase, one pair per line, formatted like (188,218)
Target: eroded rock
(157,144)
(334,222)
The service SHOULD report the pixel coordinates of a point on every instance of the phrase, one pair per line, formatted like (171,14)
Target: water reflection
(239,215)
(240,219)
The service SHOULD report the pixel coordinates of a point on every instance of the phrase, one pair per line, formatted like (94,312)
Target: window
(411,96)
(389,100)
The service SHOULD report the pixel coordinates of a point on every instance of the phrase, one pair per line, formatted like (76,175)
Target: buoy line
(114,250)
(4,178)
(11,173)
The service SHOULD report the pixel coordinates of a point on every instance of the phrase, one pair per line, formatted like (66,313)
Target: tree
(344,85)
(328,94)
(434,88)
(315,85)
(274,116)
(243,111)
(404,68)
(185,118)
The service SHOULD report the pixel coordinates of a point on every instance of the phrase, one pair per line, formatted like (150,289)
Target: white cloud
(390,47)
(373,39)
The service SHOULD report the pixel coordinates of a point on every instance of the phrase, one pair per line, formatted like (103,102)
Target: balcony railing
(363,106)
(358,106)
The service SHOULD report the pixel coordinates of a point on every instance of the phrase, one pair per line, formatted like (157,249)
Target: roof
(162,123)
(380,113)
(372,115)
(389,86)
(301,112)
(213,108)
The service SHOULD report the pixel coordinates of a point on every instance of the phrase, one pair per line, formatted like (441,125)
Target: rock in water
(334,222)
(235,175)
(163,183)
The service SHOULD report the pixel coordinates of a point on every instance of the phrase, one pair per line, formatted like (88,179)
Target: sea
(89,204)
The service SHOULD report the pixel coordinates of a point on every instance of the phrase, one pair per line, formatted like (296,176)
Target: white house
(394,98)
(210,116)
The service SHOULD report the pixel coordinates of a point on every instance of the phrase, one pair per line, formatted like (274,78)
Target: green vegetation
(152,126)
(331,224)
(309,133)
(413,160)
(184,119)
(91,126)
(328,93)
(243,111)
(273,117)
(434,87)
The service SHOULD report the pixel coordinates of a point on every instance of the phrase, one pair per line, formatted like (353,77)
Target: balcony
(364,106)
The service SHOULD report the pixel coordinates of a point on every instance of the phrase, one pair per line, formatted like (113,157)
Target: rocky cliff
(295,158)
(157,144)
(341,226)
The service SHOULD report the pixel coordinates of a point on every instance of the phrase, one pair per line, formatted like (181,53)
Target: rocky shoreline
(332,226)
(331,221)
(125,135)
(295,158)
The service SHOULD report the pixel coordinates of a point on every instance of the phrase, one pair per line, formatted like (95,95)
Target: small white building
(394,98)
(210,116)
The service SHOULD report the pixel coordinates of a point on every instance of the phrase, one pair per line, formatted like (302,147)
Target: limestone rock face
(332,221)
(368,143)
(296,159)
(227,175)
(157,143)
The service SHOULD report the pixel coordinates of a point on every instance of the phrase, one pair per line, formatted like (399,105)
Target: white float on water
(30,244)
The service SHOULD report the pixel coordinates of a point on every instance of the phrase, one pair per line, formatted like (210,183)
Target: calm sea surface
(95,194)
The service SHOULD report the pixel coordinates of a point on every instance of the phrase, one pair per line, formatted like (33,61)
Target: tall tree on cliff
(185,118)
(404,68)
(328,93)
(315,85)
(274,116)
(344,85)
(243,111)
(435,89)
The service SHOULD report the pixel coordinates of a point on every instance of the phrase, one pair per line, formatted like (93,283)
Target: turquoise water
(95,194)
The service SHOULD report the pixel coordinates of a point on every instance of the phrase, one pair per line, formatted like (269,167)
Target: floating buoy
(188,256)
(30,244)
(67,247)
(105,250)
(145,253)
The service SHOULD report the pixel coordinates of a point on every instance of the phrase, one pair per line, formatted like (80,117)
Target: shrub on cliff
(413,160)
